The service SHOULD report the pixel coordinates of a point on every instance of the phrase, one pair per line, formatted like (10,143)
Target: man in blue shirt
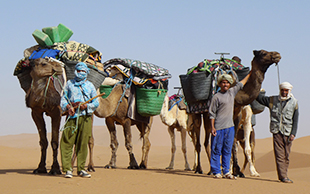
(77,129)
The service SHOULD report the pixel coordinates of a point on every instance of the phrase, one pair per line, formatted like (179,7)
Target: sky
(173,34)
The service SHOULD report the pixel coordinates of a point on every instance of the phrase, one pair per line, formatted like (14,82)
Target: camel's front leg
(173,147)
(145,130)
(114,142)
(55,141)
(207,126)
(37,117)
(183,139)
(91,143)
(128,144)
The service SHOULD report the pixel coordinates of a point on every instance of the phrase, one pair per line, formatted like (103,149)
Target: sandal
(286,180)
(229,176)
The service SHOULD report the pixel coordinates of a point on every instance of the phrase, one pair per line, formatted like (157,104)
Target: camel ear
(256,53)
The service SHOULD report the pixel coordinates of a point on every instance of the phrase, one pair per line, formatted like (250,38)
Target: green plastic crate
(52,32)
(64,33)
(42,38)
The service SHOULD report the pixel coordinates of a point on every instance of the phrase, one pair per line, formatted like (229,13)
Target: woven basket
(105,89)
(196,86)
(95,76)
(149,101)
(25,80)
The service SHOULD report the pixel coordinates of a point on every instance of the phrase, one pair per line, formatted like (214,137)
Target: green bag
(149,101)
(105,89)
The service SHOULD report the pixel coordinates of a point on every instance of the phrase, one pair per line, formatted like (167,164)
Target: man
(222,125)
(77,129)
(283,125)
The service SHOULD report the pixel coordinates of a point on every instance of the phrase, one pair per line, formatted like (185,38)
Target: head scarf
(224,77)
(289,87)
(80,77)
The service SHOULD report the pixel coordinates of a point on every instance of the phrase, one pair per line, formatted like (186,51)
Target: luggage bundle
(53,42)
(150,82)
(199,84)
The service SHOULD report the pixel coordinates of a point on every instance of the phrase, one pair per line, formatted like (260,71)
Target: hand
(71,111)
(83,106)
(291,138)
(213,131)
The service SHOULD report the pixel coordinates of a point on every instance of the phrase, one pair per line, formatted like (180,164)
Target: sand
(20,154)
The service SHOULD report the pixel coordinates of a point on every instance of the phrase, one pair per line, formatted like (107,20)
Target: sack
(149,101)
(196,86)
(42,53)
(241,73)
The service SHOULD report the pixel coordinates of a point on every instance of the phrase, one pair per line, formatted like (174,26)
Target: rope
(46,88)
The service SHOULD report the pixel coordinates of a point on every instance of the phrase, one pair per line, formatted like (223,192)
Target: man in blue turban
(77,129)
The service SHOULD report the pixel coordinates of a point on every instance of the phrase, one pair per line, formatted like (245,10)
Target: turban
(224,77)
(80,77)
(289,87)
(82,66)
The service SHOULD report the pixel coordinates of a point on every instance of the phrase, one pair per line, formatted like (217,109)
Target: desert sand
(20,154)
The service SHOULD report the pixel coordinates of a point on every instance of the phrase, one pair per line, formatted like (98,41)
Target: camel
(261,62)
(246,138)
(116,112)
(42,98)
(175,118)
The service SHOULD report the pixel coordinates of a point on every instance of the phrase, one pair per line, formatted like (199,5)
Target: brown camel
(116,112)
(42,98)
(261,62)
(175,118)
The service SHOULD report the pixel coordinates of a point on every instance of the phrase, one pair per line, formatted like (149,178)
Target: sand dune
(20,154)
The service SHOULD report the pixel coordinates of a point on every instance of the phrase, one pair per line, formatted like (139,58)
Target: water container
(52,32)
(42,38)
(64,33)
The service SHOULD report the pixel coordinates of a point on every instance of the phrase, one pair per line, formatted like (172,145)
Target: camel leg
(207,126)
(236,169)
(196,123)
(113,142)
(55,141)
(128,144)
(173,147)
(183,139)
(145,130)
(40,123)
(91,144)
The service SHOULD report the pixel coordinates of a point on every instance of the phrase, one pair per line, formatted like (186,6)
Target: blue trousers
(221,145)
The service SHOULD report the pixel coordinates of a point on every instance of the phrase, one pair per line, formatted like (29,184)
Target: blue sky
(172,34)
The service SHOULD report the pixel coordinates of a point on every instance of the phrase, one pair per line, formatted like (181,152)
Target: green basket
(106,89)
(149,101)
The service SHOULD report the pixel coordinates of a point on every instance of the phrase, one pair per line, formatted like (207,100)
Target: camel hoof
(54,172)
(188,169)
(241,175)
(142,166)
(209,173)
(169,168)
(109,166)
(90,169)
(255,175)
(40,171)
(133,167)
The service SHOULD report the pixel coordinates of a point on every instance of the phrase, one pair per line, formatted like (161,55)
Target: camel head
(43,67)
(263,59)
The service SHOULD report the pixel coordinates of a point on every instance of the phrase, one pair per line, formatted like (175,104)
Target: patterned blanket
(148,69)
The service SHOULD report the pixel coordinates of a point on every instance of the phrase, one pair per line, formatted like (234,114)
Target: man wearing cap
(283,125)
(222,125)
(77,129)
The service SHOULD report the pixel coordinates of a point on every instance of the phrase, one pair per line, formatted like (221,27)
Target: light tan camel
(175,118)
(115,112)
(261,62)
(246,138)
(42,98)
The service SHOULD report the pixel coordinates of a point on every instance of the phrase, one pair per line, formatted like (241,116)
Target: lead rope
(46,88)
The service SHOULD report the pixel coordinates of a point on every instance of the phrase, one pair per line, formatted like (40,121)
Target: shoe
(68,174)
(286,180)
(229,176)
(218,176)
(84,174)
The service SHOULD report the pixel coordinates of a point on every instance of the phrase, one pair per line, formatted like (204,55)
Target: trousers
(282,149)
(78,137)
(221,145)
